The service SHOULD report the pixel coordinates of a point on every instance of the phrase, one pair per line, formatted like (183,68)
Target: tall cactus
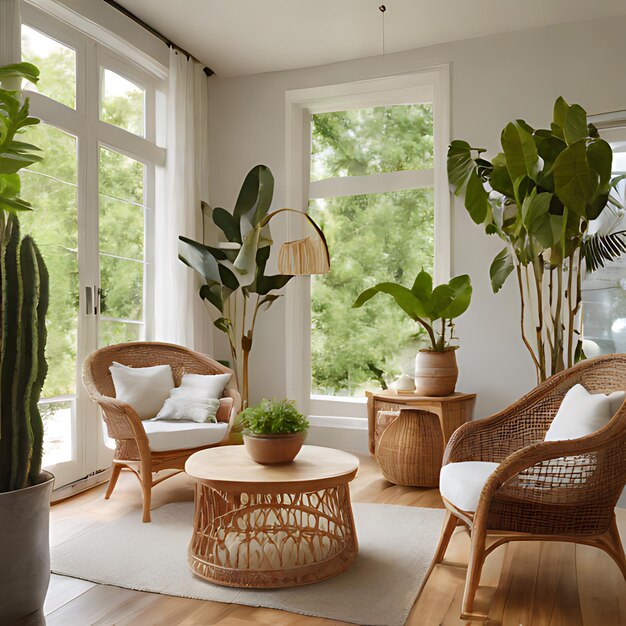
(23,299)
(23,365)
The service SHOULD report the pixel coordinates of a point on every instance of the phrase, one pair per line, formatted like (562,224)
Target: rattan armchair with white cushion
(148,447)
(504,482)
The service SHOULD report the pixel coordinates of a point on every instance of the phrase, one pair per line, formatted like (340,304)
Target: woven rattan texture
(132,449)
(544,490)
(272,539)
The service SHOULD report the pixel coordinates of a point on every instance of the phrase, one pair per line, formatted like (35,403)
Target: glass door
(91,195)
(52,188)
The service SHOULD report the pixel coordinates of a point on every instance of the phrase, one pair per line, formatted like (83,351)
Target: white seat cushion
(582,413)
(461,483)
(180,435)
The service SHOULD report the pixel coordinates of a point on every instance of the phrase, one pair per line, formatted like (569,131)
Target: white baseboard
(81,485)
(347,433)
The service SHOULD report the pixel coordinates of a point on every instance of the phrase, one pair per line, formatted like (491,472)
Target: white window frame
(427,85)
(83,122)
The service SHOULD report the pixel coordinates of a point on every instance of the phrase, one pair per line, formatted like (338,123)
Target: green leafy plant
(273,417)
(434,309)
(23,301)
(234,272)
(539,195)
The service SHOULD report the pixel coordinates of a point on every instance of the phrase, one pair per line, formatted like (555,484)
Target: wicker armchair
(543,490)
(132,448)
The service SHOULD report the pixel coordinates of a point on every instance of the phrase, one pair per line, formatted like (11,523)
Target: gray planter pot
(25,550)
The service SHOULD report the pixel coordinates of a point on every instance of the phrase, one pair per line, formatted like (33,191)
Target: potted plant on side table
(274,431)
(24,488)
(435,309)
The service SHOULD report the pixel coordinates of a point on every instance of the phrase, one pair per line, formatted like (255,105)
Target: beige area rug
(396,547)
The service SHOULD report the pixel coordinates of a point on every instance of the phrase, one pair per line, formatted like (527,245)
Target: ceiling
(237,37)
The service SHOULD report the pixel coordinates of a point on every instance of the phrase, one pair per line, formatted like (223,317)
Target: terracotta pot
(25,550)
(273,449)
(435,373)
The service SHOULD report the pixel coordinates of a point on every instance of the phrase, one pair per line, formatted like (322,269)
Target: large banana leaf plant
(434,309)
(539,195)
(234,272)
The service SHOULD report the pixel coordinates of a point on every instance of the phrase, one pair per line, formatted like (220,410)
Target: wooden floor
(523,584)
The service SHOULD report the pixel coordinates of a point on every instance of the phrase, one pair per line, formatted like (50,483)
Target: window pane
(122,288)
(57,425)
(372,141)
(111,332)
(122,235)
(122,103)
(56,62)
(121,228)
(372,238)
(53,225)
(604,291)
(120,176)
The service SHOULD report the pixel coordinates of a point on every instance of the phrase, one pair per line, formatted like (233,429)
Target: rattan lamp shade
(303,257)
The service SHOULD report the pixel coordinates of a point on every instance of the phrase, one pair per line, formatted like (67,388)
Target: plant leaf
(600,158)
(599,249)
(460,165)
(256,194)
(575,124)
(520,151)
(227,223)
(404,298)
(476,199)
(535,213)
(574,181)
(461,287)
(501,268)
(422,287)
(20,70)
(199,258)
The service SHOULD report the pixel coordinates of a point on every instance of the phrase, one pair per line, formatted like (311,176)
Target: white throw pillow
(144,388)
(185,408)
(211,384)
(582,413)
(197,398)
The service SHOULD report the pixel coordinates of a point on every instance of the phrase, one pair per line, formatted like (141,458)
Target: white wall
(493,80)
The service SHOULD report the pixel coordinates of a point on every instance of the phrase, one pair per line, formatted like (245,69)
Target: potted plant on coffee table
(435,309)
(274,431)
(24,488)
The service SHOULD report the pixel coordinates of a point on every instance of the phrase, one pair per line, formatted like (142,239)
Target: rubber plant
(433,309)
(236,283)
(24,297)
(540,194)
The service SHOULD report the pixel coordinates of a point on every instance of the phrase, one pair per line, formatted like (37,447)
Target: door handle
(92,300)
(88,300)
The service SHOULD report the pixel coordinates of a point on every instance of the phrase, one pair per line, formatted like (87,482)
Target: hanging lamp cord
(382,8)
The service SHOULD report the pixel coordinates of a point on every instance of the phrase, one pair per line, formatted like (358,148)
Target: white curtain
(180,316)
(10,32)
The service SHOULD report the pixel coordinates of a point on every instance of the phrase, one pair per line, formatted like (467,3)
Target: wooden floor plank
(62,590)
(530,584)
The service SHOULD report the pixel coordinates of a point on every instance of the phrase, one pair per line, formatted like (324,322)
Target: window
(59,79)
(604,291)
(122,102)
(372,237)
(374,179)
(92,196)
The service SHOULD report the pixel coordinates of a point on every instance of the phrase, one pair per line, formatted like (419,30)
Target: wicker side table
(266,526)
(408,433)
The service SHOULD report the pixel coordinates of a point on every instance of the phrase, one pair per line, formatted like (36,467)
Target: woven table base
(266,540)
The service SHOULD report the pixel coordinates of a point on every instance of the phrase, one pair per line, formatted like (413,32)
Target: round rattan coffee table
(271,525)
